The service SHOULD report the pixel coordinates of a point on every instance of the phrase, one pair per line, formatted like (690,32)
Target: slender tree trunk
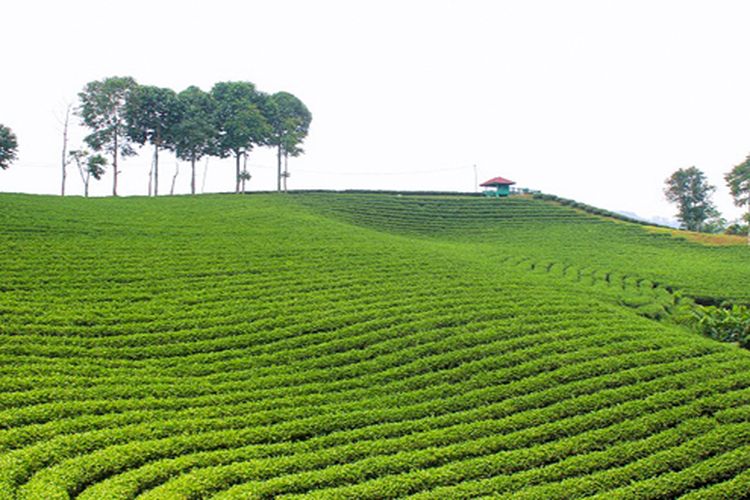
(278,162)
(192,174)
(237,173)
(286,169)
(151,178)
(65,150)
(205,174)
(748,222)
(174,177)
(156,170)
(84,178)
(114,167)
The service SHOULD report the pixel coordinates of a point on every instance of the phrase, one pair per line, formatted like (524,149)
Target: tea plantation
(319,345)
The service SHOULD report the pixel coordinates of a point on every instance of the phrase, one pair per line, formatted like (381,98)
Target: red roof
(497,180)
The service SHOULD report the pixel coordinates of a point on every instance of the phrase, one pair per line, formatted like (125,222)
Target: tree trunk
(748,222)
(156,170)
(86,185)
(151,178)
(65,150)
(114,167)
(192,174)
(205,173)
(278,162)
(237,173)
(174,177)
(286,169)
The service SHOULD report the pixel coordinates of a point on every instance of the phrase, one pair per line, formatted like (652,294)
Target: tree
(690,190)
(64,157)
(102,107)
(239,122)
(738,181)
(195,132)
(88,166)
(290,121)
(8,147)
(151,114)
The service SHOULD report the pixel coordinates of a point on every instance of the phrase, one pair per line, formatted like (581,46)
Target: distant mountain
(658,220)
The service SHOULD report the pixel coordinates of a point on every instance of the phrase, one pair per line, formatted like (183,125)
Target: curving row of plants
(248,347)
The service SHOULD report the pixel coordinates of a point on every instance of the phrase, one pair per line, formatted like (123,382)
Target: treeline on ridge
(230,120)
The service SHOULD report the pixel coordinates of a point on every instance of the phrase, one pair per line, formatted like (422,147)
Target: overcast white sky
(593,100)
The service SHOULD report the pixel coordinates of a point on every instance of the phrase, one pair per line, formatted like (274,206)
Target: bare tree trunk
(84,178)
(205,173)
(748,223)
(174,177)
(151,178)
(286,170)
(278,164)
(156,170)
(65,150)
(192,174)
(237,173)
(244,172)
(114,167)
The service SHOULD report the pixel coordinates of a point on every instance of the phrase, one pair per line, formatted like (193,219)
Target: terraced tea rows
(250,347)
(549,233)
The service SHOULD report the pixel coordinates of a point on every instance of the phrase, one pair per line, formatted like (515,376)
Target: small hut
(497,186)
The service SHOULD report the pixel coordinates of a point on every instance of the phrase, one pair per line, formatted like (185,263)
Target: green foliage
(690,190)
(8,147)
(240,123)
(289,120)
(152,114)
(102,109)
(88,166)
(738,180)
(195,132)
(726,324)
(353,345)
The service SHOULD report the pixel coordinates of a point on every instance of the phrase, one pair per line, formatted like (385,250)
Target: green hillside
(369,346)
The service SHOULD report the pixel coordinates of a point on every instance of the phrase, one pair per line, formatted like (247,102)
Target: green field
(360,345)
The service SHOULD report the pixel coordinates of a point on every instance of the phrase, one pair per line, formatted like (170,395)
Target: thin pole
(476,181)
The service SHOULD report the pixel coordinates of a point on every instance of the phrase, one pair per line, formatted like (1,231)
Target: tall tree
(690,190)
(8,147)
(195,132)
(240,123)
(738,181)
(102,109)
(152,114)
(290,121)
(88,166)
(64,157)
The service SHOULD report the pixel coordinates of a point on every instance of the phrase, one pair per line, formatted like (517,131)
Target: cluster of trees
(690,190)
(231,119)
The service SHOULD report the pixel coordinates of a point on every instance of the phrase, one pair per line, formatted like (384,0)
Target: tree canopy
(152,114)
(738,181)
(88,166)
(8,147)
(690,190)
(290,121)
(102,109)
(195,132)
(239,121)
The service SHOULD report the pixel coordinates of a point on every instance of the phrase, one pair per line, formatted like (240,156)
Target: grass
(337,345)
